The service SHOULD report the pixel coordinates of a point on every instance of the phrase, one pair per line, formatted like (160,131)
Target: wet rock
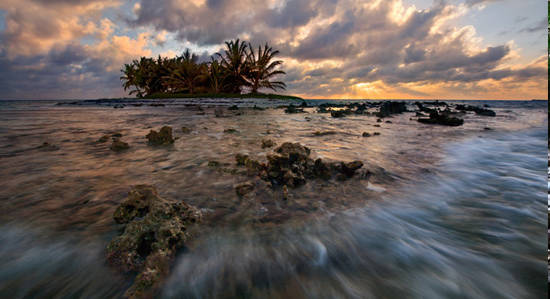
(293,109)
(366,134)
(349,168)
(388,121)
(163,137)
(378,126)
(323,133)
(119,145)
(103,139)
(116,134)
(157,105)
(244,188)
(230,131)
(118,106)
(154,229)
(389,107)
(441,119)
(477,110)
(267,143)
(234,107)
(376,134)
(185,130)
(340,113)
(241,159)
(258,108)
(291,165)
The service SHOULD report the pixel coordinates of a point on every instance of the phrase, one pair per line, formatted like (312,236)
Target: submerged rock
(441,119)
(293,109)
(103,139)
(291,165)
(119,145)
(323,133)
(477,110)
(230,131)
(244,188)
(154,228)
(366,134)
(267,143)
(387,108)
(164,136)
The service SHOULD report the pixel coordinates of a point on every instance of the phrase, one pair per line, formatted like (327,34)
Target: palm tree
(234,63)
(129,79)
(262,68)
(216,76)
(188,73)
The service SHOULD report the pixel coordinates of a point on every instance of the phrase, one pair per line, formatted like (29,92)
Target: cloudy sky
(469,49)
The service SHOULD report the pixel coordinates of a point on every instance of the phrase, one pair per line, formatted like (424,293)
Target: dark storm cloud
(43,76)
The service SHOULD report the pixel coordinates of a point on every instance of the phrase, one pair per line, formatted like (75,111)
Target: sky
(332,49)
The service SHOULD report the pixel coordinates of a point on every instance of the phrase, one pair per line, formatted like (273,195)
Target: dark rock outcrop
(163,137)
(388,108)
(154,228)
(119,145)
(441,119)
(291,165)
(477,110)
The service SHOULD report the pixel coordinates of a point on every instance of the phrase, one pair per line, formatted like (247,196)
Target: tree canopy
(236,69)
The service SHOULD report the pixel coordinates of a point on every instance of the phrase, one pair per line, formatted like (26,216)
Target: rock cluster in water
(441,118)
(388,108)
(154,228)
(290,165)
(163,137)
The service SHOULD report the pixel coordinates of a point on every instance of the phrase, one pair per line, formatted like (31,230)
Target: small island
(238,72)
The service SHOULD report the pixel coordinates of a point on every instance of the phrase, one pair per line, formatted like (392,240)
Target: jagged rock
(291,165)
(267,143)
(477,110)
(349,168)
(340,113)
(387,108)
(323,133)
(244,188)
(230,131)
(164,136)
(293,109)
(119,145)
(104,139)
(241,159)
(441,119)
(154,228)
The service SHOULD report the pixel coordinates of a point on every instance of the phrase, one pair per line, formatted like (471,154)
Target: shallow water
(447,212)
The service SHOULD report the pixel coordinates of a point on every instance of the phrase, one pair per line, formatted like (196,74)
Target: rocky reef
(388,108)
(437,118)
(154,229)
(163,137)
(290,165)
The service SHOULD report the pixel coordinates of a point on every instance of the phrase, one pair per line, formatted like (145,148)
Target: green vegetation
(239,68)
(223,95)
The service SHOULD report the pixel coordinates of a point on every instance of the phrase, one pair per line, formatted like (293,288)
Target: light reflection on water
(454,212)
